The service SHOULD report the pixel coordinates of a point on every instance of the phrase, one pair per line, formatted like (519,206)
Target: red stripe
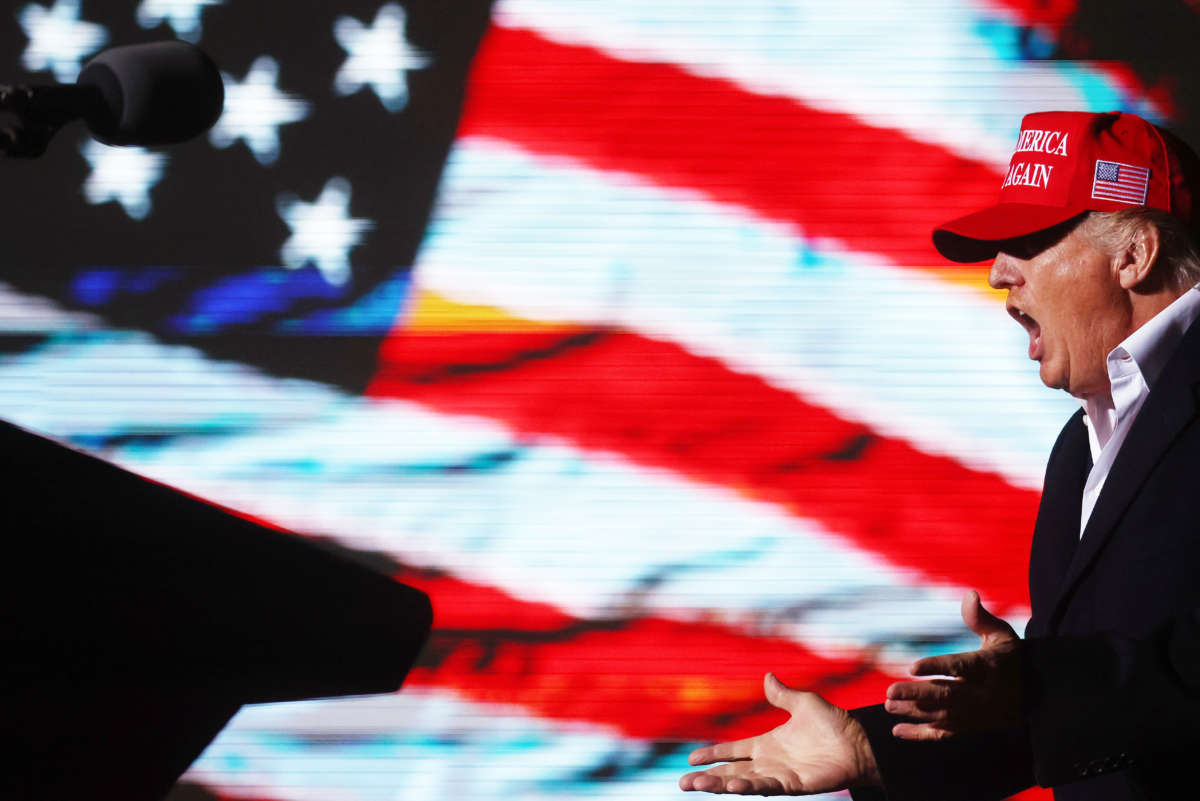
(873,189)
(1049,15)
(646,677)
(660,405)
(1162,94)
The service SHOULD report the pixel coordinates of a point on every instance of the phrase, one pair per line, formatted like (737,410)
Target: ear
(1137,258)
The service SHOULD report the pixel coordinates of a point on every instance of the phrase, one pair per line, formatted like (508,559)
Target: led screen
(614,326)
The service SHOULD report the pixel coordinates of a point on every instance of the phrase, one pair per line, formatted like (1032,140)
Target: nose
(1005,272)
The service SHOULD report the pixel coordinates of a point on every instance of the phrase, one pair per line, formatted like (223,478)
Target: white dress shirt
(1133,367)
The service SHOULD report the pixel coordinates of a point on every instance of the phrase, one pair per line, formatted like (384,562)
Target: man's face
(1065,292)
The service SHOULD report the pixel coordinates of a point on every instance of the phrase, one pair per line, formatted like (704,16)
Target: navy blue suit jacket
(1112,652)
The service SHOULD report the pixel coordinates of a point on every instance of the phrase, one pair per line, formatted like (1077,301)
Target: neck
(1146,305)
(1135,310)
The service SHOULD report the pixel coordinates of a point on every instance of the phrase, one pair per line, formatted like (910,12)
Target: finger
(754,785)
(928,694)
(702,782)
(971,604)
(917,711)
(778,694)
(906,709)
(981,621)
(723,752)
(920,732)
(935,706)
(736,778)
(944,665)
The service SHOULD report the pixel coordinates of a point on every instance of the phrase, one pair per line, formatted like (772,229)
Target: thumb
(778,694)
(982,622)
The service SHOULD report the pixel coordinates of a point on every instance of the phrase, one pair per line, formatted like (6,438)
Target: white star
(182,15)
(255,109)
(379,56)
(123,174)
(59,39)
(323,233)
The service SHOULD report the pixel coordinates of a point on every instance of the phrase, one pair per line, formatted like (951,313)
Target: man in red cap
(1095,239)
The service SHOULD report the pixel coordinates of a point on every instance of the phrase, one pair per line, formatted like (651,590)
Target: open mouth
(1031,326)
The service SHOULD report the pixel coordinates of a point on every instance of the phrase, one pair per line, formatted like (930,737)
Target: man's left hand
(983,690)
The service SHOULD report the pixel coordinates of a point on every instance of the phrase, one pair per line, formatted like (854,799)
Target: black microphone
(153,94)
(161,93)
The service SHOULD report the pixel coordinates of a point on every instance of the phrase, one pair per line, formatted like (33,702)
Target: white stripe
(25,314)
(589,533)
(421,745)
(882,61)
(105,382)
(938,365)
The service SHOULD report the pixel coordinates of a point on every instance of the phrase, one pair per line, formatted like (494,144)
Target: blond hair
(1178,262)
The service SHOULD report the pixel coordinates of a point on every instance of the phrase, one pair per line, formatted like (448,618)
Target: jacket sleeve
(1102,703)
(977,767)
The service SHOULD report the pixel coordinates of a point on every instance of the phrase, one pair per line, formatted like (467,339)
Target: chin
(1053,379)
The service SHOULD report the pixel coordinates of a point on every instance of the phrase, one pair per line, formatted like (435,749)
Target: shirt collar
(1140,359)
(1150,347)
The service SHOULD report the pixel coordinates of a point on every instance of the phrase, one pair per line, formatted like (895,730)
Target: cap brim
(978,236)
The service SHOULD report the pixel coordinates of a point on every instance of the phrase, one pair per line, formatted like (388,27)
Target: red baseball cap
(1069,162)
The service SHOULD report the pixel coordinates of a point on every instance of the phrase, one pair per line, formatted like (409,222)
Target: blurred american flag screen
(614,326)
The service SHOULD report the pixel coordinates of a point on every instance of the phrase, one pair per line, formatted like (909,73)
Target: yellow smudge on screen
(700,693)
(973,277)
(431,313)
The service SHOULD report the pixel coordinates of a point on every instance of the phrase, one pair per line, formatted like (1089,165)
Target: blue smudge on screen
(245,299)
(1012,42)
(373,314)
(101,286)
(250,297)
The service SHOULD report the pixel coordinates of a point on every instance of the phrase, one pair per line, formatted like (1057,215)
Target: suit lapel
(1056,533)
(1170,406)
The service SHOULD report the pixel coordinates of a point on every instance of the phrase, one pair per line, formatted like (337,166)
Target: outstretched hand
(982,693)
(820,749)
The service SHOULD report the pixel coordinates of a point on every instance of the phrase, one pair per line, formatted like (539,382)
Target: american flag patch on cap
(1121,182)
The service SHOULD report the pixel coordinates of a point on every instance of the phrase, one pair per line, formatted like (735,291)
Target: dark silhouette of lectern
(136,620)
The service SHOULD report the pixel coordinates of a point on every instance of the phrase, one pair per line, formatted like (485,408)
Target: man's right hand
(819,750)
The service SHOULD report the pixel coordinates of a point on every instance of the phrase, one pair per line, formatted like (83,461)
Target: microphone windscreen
(154,94)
